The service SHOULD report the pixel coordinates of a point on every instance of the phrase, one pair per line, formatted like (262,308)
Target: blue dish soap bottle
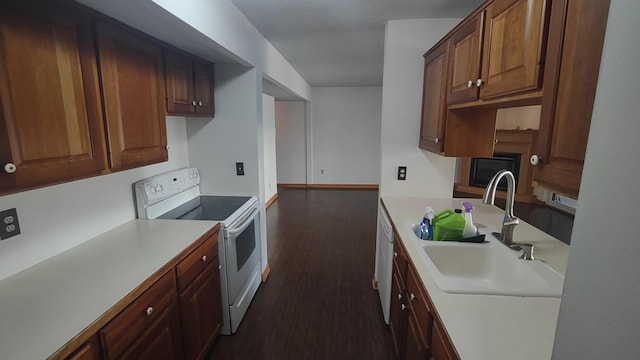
(426,231)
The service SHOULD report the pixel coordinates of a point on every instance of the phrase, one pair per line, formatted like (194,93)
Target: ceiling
(340,42)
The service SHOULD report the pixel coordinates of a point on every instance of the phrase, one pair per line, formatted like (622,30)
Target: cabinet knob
(412,297)
(219,267)
(535,160)
(204,258)
(10,168)
(149,310)
(395,254)
(199,103)
(436,140)
(193,103)
(470,84)
(399,296)
(479,82)
(404,307)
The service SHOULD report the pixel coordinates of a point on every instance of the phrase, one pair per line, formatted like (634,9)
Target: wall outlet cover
(9,225)
(402,173)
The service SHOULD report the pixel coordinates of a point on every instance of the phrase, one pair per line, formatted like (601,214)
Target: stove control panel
(168,184)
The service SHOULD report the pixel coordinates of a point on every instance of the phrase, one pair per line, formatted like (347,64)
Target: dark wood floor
(318,302)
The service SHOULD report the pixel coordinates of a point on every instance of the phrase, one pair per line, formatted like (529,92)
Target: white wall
(269,146)
(428,175)
(56,218)
(599,315)
(291,144)
(346,135)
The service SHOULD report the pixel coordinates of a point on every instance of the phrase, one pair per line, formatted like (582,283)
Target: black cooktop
(207,207)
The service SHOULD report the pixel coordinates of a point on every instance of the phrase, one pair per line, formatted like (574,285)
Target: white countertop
(487,327)
(44,306)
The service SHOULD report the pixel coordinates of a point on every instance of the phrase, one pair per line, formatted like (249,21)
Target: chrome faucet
(509,221)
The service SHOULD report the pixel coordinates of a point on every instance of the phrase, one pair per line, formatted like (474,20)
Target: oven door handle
(238,229)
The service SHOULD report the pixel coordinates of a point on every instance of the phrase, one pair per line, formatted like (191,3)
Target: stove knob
(152,190)
(159,188)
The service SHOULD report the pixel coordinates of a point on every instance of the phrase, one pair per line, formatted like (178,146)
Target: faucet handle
(527,250)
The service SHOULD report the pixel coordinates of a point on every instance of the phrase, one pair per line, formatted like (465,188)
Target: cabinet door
(87,351)
(434,99)
(203,80)
(161,340)
(576,38)
(201,310)
(181,99)
(416,348)
(50,118)
(464,61)
(513,46)
(133,94)
(397,313)
(441,348)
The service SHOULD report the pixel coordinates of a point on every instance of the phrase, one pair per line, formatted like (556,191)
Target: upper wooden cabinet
(514,47)
(50,118)
(499,51)
(131,69)
(465,48)
(434,106)
(189,85)
(576,38)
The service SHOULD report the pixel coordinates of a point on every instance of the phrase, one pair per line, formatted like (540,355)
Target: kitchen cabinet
(200,298)
(419,320)
(87,351)
(465,48)
(415,328)
(51,116)
(189,85)
(498,52)
(513,50)
(434,105)
(131,69)
(397,314)
(149,327)
(576,39)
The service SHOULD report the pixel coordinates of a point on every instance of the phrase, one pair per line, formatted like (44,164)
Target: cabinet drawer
(125,328)
(419,305)
(189,268)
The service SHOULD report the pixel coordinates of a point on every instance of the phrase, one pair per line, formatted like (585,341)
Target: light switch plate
(240,169)
(402,173)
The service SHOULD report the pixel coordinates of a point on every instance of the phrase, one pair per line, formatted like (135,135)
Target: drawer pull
(399,296)
(403,306)
(204,258)
(413,297)
(149,310)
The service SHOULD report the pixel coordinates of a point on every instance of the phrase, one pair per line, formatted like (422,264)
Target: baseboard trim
(331,186)
(271,201)
(265,273)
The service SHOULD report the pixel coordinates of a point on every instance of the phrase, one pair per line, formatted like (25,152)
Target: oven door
(242,248)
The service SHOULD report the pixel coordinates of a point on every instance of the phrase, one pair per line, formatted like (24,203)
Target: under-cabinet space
(189,85)
(51,116)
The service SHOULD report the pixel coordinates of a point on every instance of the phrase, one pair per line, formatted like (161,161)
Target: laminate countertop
(46,305)
(486,327)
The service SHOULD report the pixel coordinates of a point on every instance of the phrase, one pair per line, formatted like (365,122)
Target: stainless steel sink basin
(488,268)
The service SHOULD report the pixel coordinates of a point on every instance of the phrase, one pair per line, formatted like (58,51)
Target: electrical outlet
(240,169)
(321,171)
(402,173)
(9,224)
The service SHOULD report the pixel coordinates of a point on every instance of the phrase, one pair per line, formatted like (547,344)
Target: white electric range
(176,195)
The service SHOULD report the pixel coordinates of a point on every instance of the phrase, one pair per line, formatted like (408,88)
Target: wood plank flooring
(318,302)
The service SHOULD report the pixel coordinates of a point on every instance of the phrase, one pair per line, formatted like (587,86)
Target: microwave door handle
(239,229)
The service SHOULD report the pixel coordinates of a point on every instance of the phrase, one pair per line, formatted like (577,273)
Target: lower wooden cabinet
(87,351)
(413,322)
(200,304)
(160,340)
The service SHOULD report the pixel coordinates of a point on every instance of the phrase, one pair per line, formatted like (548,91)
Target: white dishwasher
(384,261)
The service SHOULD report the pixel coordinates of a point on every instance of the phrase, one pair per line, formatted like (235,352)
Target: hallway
(317,302)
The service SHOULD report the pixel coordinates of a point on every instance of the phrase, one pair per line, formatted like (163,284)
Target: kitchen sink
(488,268)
